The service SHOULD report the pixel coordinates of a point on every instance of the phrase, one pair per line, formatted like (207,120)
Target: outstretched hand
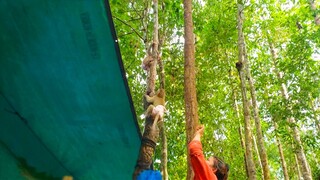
(200,130)
(198,133)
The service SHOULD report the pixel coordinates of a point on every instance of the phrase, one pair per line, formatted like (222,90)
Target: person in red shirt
(213,168)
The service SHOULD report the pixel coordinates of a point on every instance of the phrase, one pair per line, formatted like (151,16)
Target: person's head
(219,167)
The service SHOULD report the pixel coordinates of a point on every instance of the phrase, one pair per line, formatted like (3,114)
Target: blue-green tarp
(65,106)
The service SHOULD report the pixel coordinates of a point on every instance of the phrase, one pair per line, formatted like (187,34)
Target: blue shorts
(149,175)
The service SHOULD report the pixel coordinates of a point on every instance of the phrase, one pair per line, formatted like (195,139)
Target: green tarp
(65,107)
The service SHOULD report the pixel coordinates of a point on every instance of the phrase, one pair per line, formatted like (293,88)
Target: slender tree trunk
(279,145)
(152,74)
(156,48)
(285,95)
(144,22)
(298,166)
(163,134)
(155,32)
(306,172)
(282,159)
(242,142)
(164,152)
(236,110)
(257,151)
(246,111)
(298,148)
(151,131)
(314,11)
(190,96)
(261,148)
(244,148)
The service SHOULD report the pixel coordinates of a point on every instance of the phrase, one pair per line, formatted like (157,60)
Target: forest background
(282,46)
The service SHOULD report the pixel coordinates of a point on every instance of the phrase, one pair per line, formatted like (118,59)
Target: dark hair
(222,169)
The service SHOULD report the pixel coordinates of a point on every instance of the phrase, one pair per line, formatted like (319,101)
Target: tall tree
(279,144)
(190,95)
(246,110)
(299,151)
(256,116)
(236,110)
(164,150)
(260,140)
(282,158)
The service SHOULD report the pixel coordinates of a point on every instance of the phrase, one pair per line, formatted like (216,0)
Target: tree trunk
(246,111)
(156,48)
(298,148)
(260,142)
(151,131)
(298,166)
(279,145)
(248,133)
(151,80)
(190,96)
(282,159)
(314,11)
(236,109)
(163,134)
(164,152)
(306,172)
(244,148)
(257,151)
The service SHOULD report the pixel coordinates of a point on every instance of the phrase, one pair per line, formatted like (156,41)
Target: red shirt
(202,171)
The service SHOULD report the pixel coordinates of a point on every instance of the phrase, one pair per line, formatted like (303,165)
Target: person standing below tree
(213,168)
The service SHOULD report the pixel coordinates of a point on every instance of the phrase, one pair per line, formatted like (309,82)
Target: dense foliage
(288,25)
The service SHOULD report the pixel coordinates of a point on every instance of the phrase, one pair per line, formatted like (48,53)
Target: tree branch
(128,26)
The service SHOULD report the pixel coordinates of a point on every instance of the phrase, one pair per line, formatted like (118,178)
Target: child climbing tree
(154,109)
(157,60)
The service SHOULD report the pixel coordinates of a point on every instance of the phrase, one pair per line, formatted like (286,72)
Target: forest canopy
(282,49)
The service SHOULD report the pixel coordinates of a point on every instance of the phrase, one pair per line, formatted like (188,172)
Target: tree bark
(261,148)
(163,134)
(147,147)
(306,172)
(280,149)
(298,166)
(246,111)
(298,148)
(151,79)
(257,151)
(164,151)
(236,110)
(190,96)
(279,145)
